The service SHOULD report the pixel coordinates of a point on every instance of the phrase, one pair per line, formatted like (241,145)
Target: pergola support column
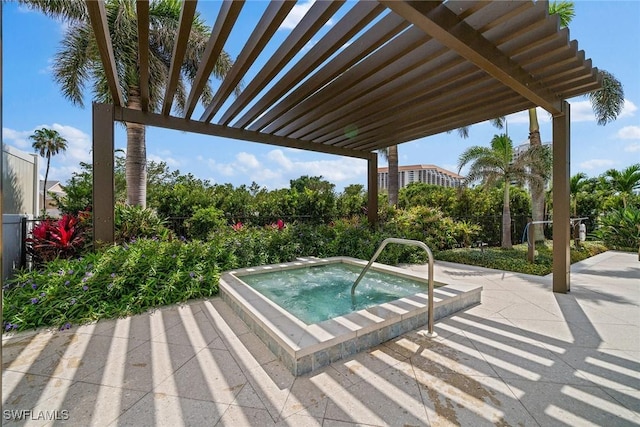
(561,203)
(103,174)
(372,189)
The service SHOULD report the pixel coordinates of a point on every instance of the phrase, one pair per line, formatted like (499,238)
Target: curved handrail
(384,243)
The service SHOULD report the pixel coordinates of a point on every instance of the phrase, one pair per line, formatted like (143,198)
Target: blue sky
(608,32)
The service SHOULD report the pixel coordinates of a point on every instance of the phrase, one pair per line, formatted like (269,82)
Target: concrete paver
(525,356)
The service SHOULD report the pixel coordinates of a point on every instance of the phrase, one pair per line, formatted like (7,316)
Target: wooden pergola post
(561,202)
(103,174)
(372,189)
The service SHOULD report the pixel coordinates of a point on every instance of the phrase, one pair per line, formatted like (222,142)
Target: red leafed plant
(62,238)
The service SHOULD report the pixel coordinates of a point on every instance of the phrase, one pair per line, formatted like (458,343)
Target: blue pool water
(317,293)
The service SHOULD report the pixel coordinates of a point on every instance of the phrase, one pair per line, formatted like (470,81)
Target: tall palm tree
(78,63)
(498,164)
(624,182)
(391,155)
(607,104)
(47,143)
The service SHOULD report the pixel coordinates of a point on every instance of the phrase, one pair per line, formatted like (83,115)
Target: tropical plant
(607,104)
(391,155)
(497,165)
(620,229)
(624,182)
(576,184)
(47,143)
(51,239)
(78,63)
(135,222)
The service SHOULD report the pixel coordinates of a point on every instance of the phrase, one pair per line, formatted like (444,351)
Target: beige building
(428,174)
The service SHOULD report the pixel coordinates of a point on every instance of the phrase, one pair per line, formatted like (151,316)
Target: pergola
(386,72)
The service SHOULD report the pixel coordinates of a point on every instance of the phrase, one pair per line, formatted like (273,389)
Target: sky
(608,32)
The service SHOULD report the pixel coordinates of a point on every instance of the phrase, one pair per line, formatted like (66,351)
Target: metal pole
(384,243)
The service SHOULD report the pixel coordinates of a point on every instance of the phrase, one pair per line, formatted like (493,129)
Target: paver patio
(525,356)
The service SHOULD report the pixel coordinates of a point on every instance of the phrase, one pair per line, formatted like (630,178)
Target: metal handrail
(384,243)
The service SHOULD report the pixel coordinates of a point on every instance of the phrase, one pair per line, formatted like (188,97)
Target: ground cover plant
(515,259)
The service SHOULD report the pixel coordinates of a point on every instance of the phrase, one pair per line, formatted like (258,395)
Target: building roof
(387,72)
(422,167)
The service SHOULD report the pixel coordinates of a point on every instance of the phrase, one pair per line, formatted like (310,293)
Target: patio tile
(516,360)
(244,416)
(91,404)
(557,403)
(142,369)
(161,410)
(310,391)
(455,354)
(27,391)
(609,369)
(454,399)
(212,375)
(362,366)
(390,398)
(296,420)
(193,329)
(271,384)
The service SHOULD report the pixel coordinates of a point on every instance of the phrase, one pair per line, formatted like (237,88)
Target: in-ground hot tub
(307,334)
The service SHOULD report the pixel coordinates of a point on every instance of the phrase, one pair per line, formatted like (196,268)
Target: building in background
(53,188)
(428,174)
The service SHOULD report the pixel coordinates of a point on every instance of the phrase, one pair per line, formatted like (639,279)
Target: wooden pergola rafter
(382,73)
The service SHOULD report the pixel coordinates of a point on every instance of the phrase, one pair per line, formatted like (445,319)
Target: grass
(515,259)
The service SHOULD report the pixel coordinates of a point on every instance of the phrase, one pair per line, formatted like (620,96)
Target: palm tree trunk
(537,194)
(392,158)
(44,187)
(136,162)
(506,218)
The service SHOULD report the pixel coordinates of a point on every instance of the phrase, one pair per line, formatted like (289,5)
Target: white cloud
(523,117)
(63,164)
(164,156)
(628,110)
(333,170)
(582,111)
(296,15)
(597,164)
(278,157)
(629,132)
(632,148)
(246,161)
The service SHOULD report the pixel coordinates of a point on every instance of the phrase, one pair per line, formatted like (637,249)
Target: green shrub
(134,222)
(116,282)
(205,221)
(620,229)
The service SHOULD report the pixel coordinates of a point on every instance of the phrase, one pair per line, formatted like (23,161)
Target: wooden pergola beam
(317,16)
(142,9)
(179,49)
(204,128)
(229,12)
(272,17)
(98,18)
(445,26)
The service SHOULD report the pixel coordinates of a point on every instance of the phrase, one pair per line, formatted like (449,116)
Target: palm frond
(608,101)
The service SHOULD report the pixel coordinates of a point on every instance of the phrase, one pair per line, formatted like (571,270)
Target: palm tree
(576,184)
(624,183)
(497,165)
(78,63)
(47,143)
(607,104)
(391,155)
